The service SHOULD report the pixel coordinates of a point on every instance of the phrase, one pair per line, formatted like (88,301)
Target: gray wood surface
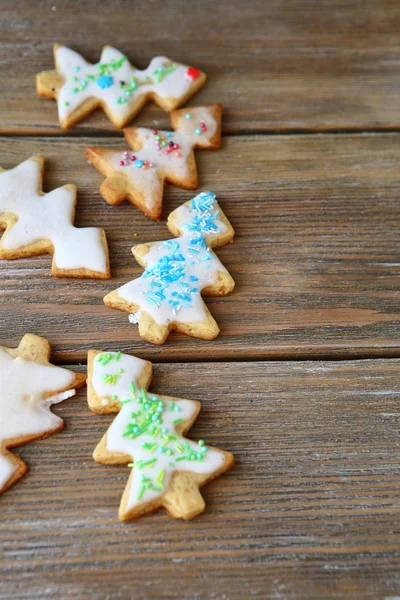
(315,258)
(311,509)
(276,66)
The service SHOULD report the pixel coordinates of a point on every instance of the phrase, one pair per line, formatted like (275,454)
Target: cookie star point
(29,385)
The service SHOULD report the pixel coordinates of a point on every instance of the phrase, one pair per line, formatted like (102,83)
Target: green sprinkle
(125,401)
(111,379)
(90,77)
(114,397)
(179,448)
(180,458)
(149,447)
(201,442)
(160,477)
(156,432)
(161,72)
(75,79)
(133,389)
(118,355)
(172,406)
(66,103)
(177,421)
(121,371)
(104,358)
(131,465)
(142,490)
(148,463)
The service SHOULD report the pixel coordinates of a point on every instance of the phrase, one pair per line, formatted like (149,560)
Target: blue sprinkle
(139,164)
(105,81)
(193,278)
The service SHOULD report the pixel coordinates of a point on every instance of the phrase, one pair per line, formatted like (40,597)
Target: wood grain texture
(315,257)
(310,511)
(275,66)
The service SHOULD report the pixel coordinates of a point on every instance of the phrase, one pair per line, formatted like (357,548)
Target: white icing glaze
(211,460)
(131,366)
(47,217)
(150,181)
(23,409)
(71,65)
(201,267)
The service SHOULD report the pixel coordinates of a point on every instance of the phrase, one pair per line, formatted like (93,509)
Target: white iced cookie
(156,156)
(168,295)
(38,223)
(29,385)
(148,434)
(114,84)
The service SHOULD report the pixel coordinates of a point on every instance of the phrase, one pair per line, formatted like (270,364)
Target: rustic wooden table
(302,385)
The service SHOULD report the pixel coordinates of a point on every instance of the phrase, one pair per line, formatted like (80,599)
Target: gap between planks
(354,357)
(272,132)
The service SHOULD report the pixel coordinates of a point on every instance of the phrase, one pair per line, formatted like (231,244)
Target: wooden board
(276,66)
(310,511)
(315,258)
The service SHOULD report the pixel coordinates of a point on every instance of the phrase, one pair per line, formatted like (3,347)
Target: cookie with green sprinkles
(148,435)
(115,85)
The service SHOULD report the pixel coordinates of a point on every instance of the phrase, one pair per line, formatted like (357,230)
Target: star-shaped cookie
(121,90)
(156,156)
(38,223)
(167,469)
(168,296)
(29,385)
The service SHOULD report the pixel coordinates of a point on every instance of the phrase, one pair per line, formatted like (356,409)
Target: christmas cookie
(116,86)
(38,223)
(177,272)
(29,385)
(156,156)
(148,434)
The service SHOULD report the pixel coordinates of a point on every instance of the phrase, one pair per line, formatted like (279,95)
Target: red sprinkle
(155,131)
(121,162)
(176,146)
(192,73)
(133,157)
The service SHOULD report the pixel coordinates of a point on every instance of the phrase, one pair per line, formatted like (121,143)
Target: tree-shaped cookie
(29,385)
(177,272)
(156,156)
(121,90)
(148,434)
(38,223)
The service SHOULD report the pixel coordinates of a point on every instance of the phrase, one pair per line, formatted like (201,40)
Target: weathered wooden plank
(309,511)
(315,65)
(315,258)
